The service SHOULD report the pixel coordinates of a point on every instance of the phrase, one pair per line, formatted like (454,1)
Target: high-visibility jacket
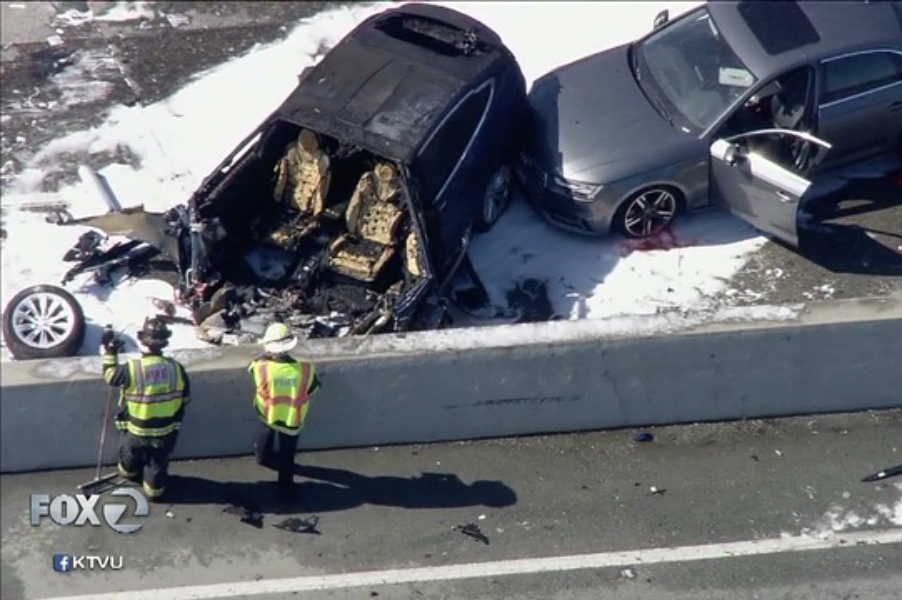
(284,388)
(154,397)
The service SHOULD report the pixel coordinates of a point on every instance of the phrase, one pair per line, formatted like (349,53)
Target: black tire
(625,210)
(62,338)
(496,200)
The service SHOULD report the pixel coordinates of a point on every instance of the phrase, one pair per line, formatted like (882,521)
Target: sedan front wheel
(647,213)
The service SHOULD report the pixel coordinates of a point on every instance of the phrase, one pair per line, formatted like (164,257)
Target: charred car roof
(388,82)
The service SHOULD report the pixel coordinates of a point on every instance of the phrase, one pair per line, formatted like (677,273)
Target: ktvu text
(66,563)
(79,510)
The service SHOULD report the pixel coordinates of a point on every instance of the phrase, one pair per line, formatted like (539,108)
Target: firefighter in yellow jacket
(284,387)
(155,391)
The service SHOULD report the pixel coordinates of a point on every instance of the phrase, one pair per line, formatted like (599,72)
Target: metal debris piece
(643,436)
(628,573)
(169,514)
(246,515)
(178,20)
(884,474)
(165,306)
(473,530)
(300,525)
(654,491)
(530,300)
(778,453)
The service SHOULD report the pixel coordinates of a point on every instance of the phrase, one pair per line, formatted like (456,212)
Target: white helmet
(278,339)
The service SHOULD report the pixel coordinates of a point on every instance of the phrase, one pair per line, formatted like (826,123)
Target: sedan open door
(759,176)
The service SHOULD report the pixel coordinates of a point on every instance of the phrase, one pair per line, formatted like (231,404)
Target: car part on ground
(348,207)
(43,321)
(650,114)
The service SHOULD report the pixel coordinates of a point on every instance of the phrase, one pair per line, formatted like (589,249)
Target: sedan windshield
(689,72)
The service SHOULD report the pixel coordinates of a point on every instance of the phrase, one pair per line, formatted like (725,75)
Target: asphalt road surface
(857,255)
(741,512)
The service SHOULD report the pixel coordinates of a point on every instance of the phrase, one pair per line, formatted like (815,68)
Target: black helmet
(155,333)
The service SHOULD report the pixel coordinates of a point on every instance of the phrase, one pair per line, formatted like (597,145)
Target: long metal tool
(99,481)
(884,474)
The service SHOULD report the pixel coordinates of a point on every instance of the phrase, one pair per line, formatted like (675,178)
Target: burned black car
(350,208)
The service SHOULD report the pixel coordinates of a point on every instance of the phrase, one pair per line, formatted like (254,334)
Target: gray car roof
(838,27)
(383,94)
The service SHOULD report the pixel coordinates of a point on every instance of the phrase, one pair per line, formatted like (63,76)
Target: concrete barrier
(499,381)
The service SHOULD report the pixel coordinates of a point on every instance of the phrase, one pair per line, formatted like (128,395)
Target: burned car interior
(311,228)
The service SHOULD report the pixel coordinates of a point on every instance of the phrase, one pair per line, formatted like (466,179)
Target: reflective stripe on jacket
(154,397)
(283,392)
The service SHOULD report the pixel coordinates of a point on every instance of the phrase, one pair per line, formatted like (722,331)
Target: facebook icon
(62,563)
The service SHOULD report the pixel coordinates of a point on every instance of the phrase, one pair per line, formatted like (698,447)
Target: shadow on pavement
(858,229)
(338,489)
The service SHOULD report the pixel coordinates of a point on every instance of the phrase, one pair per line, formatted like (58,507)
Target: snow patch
(120,12)
(82,82)
(839,519)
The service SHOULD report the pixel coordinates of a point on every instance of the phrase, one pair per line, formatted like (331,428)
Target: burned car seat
(302,182)
(373,218)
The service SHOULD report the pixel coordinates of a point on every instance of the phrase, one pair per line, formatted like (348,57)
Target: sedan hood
(594,124)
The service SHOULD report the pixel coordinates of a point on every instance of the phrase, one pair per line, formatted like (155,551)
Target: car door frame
(820,105)
(775,191)
(438,204)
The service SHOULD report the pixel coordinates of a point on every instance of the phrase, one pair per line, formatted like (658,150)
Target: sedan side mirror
(661,19)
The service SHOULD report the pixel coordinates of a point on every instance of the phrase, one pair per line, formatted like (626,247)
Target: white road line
(525,566)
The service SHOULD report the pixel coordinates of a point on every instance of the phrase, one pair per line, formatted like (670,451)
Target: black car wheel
(647,212)
(43,321)
(496,199)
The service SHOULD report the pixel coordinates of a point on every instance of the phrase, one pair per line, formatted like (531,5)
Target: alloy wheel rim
(649,213)
(43,320)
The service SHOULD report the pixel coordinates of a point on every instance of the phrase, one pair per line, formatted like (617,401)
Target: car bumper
(586,218)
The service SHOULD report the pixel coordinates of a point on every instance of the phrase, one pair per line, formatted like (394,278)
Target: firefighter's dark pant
(146,459)
(276,451)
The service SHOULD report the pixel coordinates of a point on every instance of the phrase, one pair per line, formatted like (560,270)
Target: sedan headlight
(580,191)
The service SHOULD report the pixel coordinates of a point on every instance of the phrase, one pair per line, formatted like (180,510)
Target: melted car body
(349,209)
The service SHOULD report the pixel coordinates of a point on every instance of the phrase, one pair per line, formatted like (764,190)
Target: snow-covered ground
(840,518)
(182,138)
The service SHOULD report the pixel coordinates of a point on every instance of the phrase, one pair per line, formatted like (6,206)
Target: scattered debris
(530,300)
(55,40)
(165,306)
(643,436)
(251,516)
(170,514)
(778,453)
(884,474)
(656,491)
(754,457)
(472,530)
(178,20)
(482,517)
(49,61)
(628,573)
(300,525)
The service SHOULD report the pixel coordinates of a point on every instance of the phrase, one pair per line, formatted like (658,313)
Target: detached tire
(496,199)
(43,321)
